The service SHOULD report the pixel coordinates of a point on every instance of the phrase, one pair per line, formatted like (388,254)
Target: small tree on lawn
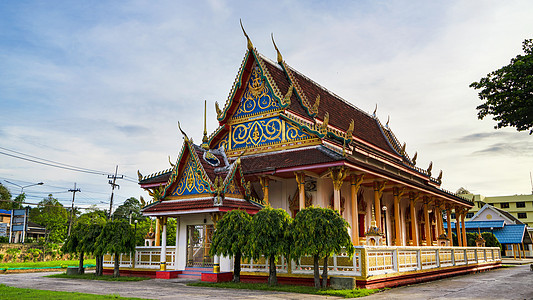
(320,232)
(89,244)
(269,235)
(117,237)
(74,244)
(230,238)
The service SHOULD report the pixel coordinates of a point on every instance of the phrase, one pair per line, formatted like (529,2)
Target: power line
(55,162)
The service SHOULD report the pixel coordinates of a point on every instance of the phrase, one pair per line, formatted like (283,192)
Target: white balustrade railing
(366,261)
(341,264)
(385,260)
(144,257)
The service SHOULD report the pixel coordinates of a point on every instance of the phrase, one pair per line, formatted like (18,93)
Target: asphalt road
(505,283)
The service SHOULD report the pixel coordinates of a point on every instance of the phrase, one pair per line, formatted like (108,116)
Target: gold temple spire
(250,45)
(205,139)
(280,58)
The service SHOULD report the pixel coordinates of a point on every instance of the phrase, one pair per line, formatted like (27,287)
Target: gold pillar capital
(379,186)
(337,176)
(264,181)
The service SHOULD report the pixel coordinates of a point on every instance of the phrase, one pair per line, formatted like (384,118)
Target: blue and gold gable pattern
(232,190)
(257,98)
(192,181)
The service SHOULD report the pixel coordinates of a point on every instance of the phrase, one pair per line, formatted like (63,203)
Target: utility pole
(113,185)
(74,190)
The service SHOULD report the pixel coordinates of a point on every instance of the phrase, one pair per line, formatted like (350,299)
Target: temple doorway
(198,245)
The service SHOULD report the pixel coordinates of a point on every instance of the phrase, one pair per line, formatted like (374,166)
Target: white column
(163,265)
(177,240)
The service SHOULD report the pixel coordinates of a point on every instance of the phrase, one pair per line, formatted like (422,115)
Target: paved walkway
(153,289)
(505,283)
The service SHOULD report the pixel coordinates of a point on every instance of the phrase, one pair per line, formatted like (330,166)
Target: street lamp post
(23,187)
(25,214)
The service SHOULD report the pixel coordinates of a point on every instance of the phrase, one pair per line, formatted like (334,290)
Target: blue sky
(96,84)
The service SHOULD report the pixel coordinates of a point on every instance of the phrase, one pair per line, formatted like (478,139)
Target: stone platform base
(393,280)
(132,272)
(217,277)
(167,274)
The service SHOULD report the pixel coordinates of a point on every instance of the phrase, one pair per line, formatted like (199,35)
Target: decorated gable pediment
(192,181)
(257,97)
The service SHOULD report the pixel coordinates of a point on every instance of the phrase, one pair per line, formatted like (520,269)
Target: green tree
(230,237)
(53,216)
(320,232)
(508,92)
(89,244)
(74,243)
(269,236)
(117,237)
(129,210)
(491,240)
(92,215)
(5,198)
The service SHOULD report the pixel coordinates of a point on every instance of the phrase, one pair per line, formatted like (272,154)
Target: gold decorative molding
(379,187)
(337,176)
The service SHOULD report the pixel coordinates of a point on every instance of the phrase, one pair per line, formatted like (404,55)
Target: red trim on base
(422,277)
(167,274)
(217,277)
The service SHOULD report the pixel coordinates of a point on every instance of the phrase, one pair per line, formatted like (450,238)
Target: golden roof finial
(250,45)
(388,120)
(403,148)
(375,110)
(414,158)
(429,168)
(205,139)
(280,58)
(439,178)
(185,137)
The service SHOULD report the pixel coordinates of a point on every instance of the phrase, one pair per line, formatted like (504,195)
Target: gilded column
(378,192)
(449,224)
(458,227)
(356,181)
(396,193)
(300,179)
(438,219)
(427,226)
(412,202)
(163,265)
(264,181)
(463,229)
(337,177)
(157,232)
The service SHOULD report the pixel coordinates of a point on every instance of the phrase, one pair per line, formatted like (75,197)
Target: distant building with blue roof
(509,231)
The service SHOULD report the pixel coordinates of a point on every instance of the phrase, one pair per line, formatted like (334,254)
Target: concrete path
(152,289)
(505,283)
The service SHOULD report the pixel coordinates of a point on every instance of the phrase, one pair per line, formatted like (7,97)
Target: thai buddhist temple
(286,141)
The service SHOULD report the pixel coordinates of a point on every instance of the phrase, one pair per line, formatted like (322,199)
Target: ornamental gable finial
(250,45)
(280,58)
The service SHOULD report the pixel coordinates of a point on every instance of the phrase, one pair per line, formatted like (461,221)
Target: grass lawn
(46,264)
(288,288)
(9,292)
(92,276)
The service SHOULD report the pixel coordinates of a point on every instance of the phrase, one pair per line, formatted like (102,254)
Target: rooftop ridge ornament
(250,45)
(375,110)
(439,178)
(280,58)
(205,139)
(314,109)
(429,168)
(388,120)
(415,157)
(185,137)
(170,162)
